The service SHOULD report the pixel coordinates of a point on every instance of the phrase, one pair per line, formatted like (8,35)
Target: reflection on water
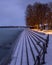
(7,35)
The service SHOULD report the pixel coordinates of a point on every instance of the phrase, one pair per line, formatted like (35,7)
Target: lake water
(7,35)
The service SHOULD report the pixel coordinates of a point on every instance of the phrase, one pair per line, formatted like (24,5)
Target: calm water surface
(7,35)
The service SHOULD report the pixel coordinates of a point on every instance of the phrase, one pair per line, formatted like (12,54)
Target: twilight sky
(12,12)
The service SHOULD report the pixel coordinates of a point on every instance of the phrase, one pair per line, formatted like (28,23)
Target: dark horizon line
(15,26)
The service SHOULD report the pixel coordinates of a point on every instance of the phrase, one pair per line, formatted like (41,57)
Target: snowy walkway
(49,53)
(29,48)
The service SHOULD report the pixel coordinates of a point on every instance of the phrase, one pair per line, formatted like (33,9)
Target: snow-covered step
(37,41)
(40,38)
(40,35)
(30,57)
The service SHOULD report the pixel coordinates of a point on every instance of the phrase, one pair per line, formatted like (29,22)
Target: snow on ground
(49,53)
(44,31)
(49,50)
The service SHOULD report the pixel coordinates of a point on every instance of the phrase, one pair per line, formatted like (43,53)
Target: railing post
(47,40)
(38,60)
(43,58)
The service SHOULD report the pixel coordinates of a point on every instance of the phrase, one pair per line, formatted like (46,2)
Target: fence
(38,37)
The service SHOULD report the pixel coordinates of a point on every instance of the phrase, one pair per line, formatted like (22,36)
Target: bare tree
(38,13)
(29,16)
(50,14)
